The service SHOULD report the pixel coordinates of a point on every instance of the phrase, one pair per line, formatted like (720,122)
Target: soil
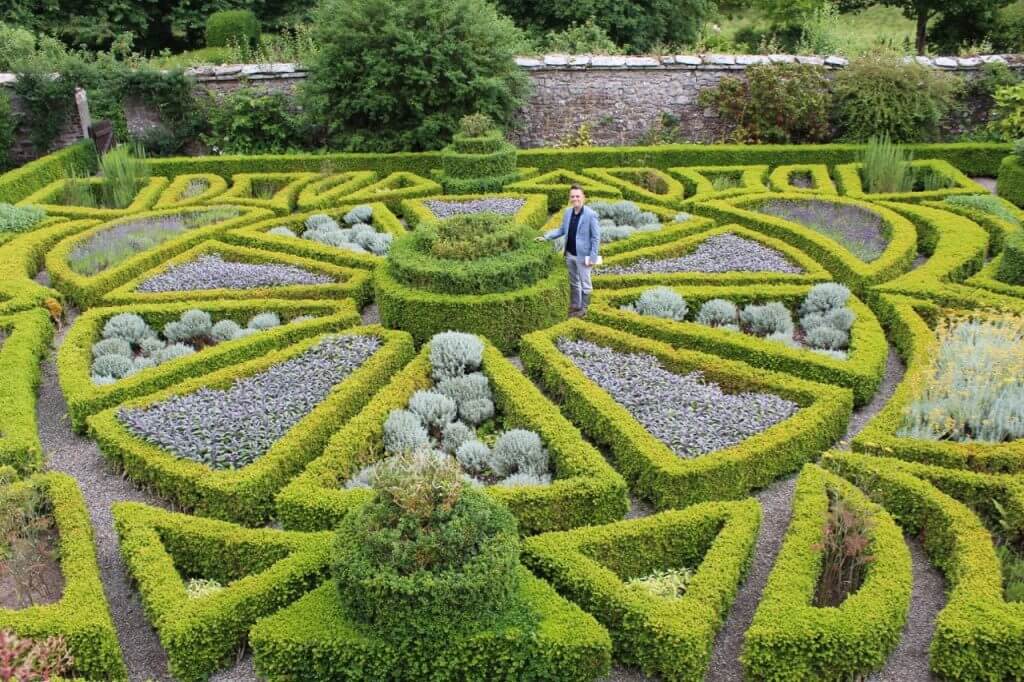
(47,579)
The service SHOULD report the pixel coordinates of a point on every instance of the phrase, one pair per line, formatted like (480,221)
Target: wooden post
(84,118)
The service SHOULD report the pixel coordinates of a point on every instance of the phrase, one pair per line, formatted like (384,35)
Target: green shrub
(880,94)
(886,166)
(1011,267)
(239,26)
(586,38)
(475,125)
(19,218)
(1008,113)
(399,74)
(775,103)
(251,121)
(124,172)
(8,124)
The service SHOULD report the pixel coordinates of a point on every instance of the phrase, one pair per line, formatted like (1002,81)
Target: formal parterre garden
(465,483)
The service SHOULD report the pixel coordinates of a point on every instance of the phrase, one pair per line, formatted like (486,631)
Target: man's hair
(572,187)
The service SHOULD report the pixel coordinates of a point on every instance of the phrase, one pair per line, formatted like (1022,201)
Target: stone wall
(616,100)
(23,150)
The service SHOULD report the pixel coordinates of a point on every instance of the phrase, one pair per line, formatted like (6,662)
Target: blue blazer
(588,232)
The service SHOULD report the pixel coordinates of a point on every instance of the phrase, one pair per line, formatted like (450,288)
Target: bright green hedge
(533,213)
(27,341)
(547,639)
(1010,180)
(700,185)
(246,495)
(668,637)
(87,290)
(978,635)
(555,185)
(482,164)
(349,282)
(585,488)
(74,358)
(283,201)
(628,181)
(324,191)
(781,179)
(654,471)
(1011,269)
(48,198)
(390,190)
(22,257)
(81,615)
(262,570)
(861,371)
(791,639)
(999,225)
(171,196)
(850,182)
(79,158)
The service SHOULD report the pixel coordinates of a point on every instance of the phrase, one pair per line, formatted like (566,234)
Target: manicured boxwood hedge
(916,342)
(171,196)
(1010,181)
(77,159)
(849,181)
(533,213)
(257,236)
(246,495)
(790,638)
(653,470)
(74,358)
(326,191)
(547,638)
(861,371)
(478,164)
(687,243)
(978,635)
(781,179)
(700,184)
(282,202)
(845,267)
(349,282)
(668,637)
(629,183)
(48,197)
(998,227)
(28,340)
(262,570)
(585,488)
(81,615)
(556,183)
(1011,268)
(391,190)
(86,290)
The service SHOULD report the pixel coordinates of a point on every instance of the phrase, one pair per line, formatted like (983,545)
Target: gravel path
(987,183)
(102,487)
(894,371)
(370,314)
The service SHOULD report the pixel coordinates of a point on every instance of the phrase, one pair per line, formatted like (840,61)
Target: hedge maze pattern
(714,231)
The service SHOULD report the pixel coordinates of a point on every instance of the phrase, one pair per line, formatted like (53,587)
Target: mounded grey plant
(525,478)
(784,337)
(453,354)
(647,218)
(359,214)
(141,363)
(112,346)
(649,227)
(835,354)
(103,380)
(320,221)
(282,231)
(264,321)
(377,243)
(616,233)
(766,319)
(718,312)
(824,297)
(474,457)
(352,246)
(225,330)
(198,322)
(605,223)
(659,302)
(813,321)
(519,451)
(681,217)
(117,366)
(476,412)
(454,434)
(173,351)
(462,389)
(434,409)
(243,333)
(403,432)
(128,326)
(364,477)
(828,338)
(151,345)
(841,319)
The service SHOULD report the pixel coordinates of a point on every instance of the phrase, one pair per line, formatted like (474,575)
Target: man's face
(576,198)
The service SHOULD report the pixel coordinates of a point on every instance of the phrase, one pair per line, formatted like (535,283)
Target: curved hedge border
(74,358)
(990,279)
(845,267)
(781,179)
(1010,180)
(257,236)
(630,189)
(585,490)
(391,190)
(22,257)
(861,371)
(80,616)
(28,340)
(47,197)
(87,290)
(790,638)
(533,214)
(262,570)
(555,185)
(668,637)
(322,192)
(77,159)
(500,317)
(282,202)
(999,229)
(851,184)
(246,495)
(654,471)
(812,271)
(700,187)
(478,164)
(355,283)
(978,636)
(171,197)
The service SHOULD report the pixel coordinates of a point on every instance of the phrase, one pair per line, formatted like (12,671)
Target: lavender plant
(211,271)
(721,253)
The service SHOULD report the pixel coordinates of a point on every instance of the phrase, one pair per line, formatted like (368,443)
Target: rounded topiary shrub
(478,273)
(479,158)
(238,26)
(429,554)
(400,74)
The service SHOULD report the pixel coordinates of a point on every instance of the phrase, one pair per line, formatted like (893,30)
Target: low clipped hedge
(1000,226)
(87,290)
(172,197)
(700,186)
(654,471)
(688,242)
(478,164)
(262,570)
(556,183)
(668,637)
(908,323)
(349,282)
(391,190)
(76,159)
(500,317)
(81,615)
(282,202)
(781,179)
(74,358)
(48,199)
(320,193)
(843,265)
(630,182)
(28,340)
(790,638)
(533,214)
(1011,268)
(585,488)
(257,236)
(547,638)
(861,371)
(978,635)
(850,183)
(246,495)
(1010,180)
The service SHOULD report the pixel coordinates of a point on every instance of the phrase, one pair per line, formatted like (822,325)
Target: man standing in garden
(582,238)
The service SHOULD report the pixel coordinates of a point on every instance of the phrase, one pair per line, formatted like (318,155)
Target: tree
(923,11)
